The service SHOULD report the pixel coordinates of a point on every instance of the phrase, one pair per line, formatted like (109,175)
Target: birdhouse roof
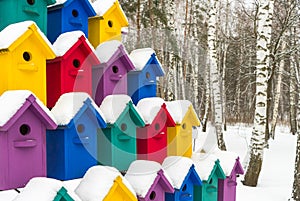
(177,168)
(11,102)
(13,32)
(86,4)
(69,104)
(102,6)
(67,40)
(178,109)
(106,50)
(97,183)
(141,174)
(149,108)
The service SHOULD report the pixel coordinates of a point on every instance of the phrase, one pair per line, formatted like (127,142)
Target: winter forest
(237,61)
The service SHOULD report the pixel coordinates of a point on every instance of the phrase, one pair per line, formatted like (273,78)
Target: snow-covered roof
(11,101)
(140,57)
(66,40)
(178,109)
(58,2)
(97,182)
(113,105)
(105,50)
(149,107)
(39,188)
(177,168)
(227,160)
(14,31)
(71,185)
(68,106)
(204,164)
(141,174)
(209,141)
(102,6)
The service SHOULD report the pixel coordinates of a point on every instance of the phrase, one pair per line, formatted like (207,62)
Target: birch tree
(262,53)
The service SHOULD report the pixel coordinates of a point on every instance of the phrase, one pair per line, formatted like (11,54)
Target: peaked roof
(179,108)
(67,40)
(86,4)
(10,34)
(144,57)
(11,102)
(149,108)
(106,50)
(69,105)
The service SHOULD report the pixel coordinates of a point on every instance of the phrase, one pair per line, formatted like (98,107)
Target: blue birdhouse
(142,81)
(72,147)
(69,15)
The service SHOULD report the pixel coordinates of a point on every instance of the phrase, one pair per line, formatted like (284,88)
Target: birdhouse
(105,183)
(142,80)
(17,11)
(69,15)
(180,136)
(42,188)
(110,77)
(23,123)
(72,147)
(210,171)
(118,140)
(71,70)
(148,180)
(24,50)
(108,23)
(184,178)
(152,139)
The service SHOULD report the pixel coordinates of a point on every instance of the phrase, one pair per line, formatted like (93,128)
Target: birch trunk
(258,134)
(214,75)
(207,94)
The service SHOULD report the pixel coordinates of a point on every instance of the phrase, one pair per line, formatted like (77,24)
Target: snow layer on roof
(71,185)
(97,182)
(178,109)
(210,141)
(227,160)
(102,6)
(58,2)
(66,40)
(8,195)
(14,31)
(140,57)
(11,101)
(204,164)
(68,106)
(113,105)
(141,174)
(40,188)
(149,107)
(177,168)
(105,50)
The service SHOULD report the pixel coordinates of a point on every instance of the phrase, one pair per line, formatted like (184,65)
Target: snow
(102,6)
(71,185)
(8,195)
(113,105)
(178,109)
(177,167)
(141,175)
(227,160)
(140,57)
(68,106)
(40,189)
(66,40)
(204,164)
(11,101)
(149,107)
(58,2)
(97,183)
(105,50)
(14,31)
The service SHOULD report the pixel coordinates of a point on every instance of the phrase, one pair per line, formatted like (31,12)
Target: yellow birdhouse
(180,136)
(24,50)
(108,22)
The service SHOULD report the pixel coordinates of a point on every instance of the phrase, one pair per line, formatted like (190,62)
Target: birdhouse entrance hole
(75,13)
(115,69)
(110,23)
(76,63)
(26,56)
(30,2)
(152,195)
(24,129)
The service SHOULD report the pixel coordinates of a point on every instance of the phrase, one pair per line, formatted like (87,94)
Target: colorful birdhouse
(210,171)
(142,80)
(110,77)
(68,15)
(117,142)
(152,139)
(23,53)
(72,147)
(17,11)
(148,180)
(71,70)
(108,22)
(23,123)
(105,183)
(42,188)
(184,178)
(180,136)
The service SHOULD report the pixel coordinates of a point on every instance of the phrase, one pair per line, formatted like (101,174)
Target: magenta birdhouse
(23,123)
(110,77)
